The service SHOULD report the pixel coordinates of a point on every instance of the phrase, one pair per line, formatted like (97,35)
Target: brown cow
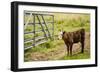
(74,37)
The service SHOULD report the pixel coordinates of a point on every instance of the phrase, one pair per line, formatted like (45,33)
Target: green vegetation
(86,55)
(66,22)
(71,22)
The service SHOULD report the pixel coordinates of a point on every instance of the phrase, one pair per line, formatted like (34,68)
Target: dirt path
(60,52)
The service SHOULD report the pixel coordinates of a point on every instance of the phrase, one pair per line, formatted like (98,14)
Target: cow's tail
(83,33)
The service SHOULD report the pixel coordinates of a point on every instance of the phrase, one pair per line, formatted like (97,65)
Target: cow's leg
(82,43)
(71,49)
(67,50)
(82,40)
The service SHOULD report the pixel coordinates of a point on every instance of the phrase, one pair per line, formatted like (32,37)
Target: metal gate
(38,27)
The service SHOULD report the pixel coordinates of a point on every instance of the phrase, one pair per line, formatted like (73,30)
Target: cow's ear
(63,32)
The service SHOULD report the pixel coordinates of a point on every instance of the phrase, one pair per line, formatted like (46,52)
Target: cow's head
(60,34)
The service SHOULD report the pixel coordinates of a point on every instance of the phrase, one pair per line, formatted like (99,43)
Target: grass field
(56,49)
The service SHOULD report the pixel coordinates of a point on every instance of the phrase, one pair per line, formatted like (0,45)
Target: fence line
(48,33)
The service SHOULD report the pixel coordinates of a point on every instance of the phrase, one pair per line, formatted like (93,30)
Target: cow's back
(74,37)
